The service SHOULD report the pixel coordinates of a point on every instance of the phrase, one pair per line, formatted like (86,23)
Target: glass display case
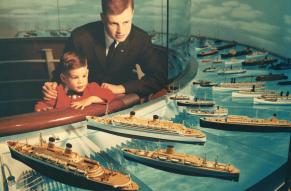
(215,48)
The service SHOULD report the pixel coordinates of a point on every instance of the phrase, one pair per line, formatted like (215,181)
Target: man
(113,47)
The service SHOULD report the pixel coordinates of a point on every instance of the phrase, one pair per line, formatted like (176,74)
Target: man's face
(118,26)
(76,79)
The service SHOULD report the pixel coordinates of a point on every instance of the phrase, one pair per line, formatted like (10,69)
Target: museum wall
(42,16)
(261,23)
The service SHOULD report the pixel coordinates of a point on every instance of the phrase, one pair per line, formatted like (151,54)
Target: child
(75,91)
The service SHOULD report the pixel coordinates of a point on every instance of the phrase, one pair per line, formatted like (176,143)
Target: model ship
(234,53)
(216,112)
(259,62)
(238,86)
(210,69)
(204,83)
(234,61)
(231,71)
(284,83)
(196,103)
(271,77)
(257,55)
(207,53)
(179,97)
(281,66)
(252,93)
(154,129)
(169,160)
(69,167)
(244,123)
(273,99)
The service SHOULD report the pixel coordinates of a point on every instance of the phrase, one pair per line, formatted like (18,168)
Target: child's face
(76,79)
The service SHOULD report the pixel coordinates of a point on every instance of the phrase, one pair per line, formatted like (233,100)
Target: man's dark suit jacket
(89,40)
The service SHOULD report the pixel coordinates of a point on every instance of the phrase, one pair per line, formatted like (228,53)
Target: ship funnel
(170,149)
(155,117)
(132,113)
(51,143)
(68,148)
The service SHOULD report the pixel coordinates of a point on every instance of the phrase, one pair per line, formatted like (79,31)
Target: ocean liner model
(273,99)
(234,53)
(238,86)
(169,160)
(271,77)
(257,55)
(216,112)
(252,93)
(153,129)
(226,71)
(69,167)
(179,97)
(207,53)
(196,103)
(244,123)
(259,62)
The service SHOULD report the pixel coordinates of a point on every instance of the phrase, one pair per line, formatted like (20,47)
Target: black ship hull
(195,104)
(284,83)
(271,77)
(242,127)
(258,62)
(62,175)
(180,169)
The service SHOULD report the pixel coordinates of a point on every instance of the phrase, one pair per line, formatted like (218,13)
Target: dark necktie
(110,51)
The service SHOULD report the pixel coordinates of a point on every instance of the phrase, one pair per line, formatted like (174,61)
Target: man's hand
(85,102)
(116,89)
(49,90)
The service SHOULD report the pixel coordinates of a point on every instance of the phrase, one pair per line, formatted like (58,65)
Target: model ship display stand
(182,163)
(67,166)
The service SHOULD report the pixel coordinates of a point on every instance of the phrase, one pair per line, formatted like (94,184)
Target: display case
(209,44)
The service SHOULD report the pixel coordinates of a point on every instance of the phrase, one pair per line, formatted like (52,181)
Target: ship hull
(243,127)
(180,168)
(265,102)
(195,104)
(246,95)
(218,88)
(206,114)
(143,133)
(271,78)
(59,174)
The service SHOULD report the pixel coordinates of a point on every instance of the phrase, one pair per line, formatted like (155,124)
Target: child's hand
(116,89)
(85,102)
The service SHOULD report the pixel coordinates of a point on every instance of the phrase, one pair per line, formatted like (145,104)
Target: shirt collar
(109,40)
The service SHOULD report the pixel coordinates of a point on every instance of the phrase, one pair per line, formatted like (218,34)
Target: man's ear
(102,16)
(63,77)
